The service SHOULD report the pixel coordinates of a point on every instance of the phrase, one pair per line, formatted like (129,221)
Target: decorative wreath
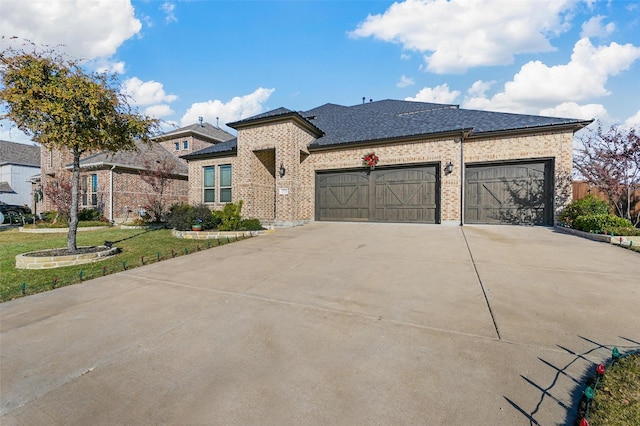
(370,160)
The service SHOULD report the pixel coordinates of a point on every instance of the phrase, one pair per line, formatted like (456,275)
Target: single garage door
(409,194)
(516,193)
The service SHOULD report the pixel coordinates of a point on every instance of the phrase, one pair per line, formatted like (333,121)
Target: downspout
(111,193)
(462,176)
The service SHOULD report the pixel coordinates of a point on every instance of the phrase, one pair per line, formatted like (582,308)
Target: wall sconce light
(282,170)
(448,168)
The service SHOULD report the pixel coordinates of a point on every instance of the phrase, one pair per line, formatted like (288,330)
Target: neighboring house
(18,164)
(189,139)
(436,164)
(112,183)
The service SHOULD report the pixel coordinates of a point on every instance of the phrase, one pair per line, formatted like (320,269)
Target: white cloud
(158,111)
(479,88)
(83,29)
(146,92)
(103,65)
(573,110)
(169,12)
(439,94)
(459,34)
(634,120)
(405,81)
(237,108)
(537,86)
(594,28)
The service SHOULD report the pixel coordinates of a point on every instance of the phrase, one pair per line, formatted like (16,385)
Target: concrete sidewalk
(329,323)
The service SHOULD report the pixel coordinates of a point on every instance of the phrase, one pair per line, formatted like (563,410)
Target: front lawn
(138,246)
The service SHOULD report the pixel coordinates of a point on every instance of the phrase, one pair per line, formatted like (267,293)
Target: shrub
(600,223)
(229,217)
(88,215)
(50,215)
(180,217)
(205,216)
(589,205)
(623,231)
(250,225)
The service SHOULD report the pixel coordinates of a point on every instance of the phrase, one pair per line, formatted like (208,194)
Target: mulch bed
(65,252)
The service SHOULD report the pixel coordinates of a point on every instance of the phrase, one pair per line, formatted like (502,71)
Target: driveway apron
(328,323)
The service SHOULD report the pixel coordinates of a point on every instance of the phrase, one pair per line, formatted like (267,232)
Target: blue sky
(232,59)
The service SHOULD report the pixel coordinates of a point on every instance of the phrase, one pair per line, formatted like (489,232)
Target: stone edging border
(212,235)
(24,261)
(59,230)
(617,240)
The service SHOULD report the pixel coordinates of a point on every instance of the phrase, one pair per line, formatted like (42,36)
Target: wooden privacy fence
(582,189)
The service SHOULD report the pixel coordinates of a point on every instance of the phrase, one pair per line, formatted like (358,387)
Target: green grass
(134,243)
(617,400)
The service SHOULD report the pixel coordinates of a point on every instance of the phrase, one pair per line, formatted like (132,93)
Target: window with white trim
(176,146)
(89,189)
(185,145)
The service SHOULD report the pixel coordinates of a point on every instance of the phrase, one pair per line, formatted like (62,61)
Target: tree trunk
(73,213)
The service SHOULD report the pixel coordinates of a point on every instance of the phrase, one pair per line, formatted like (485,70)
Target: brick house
(112,182)
(436,164)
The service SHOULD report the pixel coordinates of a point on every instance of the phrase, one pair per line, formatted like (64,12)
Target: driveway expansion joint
(484,292)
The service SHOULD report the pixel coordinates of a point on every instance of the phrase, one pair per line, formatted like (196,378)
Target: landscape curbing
(215,235)
(59,230)
(611,239)
(24,261)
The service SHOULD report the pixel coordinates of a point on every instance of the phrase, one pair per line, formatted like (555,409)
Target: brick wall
(129,189)
(196,181)
(555,145)
(194,144)
(262,148)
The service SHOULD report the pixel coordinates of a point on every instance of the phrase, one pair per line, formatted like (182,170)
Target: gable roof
(135,160)
(205,131)
(278,114)
(19,154)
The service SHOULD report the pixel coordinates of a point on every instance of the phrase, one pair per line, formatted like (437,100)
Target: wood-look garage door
(382,195)
(518,193)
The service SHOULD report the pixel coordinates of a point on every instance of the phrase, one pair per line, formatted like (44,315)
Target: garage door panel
(509,194)
(399,195)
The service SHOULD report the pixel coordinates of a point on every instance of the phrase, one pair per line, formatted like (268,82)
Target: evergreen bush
(600,223)
(589,205)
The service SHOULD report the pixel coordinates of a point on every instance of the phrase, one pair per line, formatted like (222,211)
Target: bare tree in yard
(51,98)
(609,160)
(59,191)
(158,175)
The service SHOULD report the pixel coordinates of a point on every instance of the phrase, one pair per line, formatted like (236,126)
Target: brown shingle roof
(134,159)
(19,153)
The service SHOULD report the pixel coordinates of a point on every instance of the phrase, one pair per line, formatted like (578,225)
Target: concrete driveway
(329,323)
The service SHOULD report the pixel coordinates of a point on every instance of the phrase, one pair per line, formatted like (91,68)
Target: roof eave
(181,133)
(221,154)
(103,165)
(574,127)
(278,118)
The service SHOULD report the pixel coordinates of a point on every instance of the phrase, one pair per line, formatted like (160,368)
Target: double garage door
(515,193)
(408,194)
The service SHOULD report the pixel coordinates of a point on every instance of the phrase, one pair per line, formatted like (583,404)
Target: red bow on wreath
(370,160)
